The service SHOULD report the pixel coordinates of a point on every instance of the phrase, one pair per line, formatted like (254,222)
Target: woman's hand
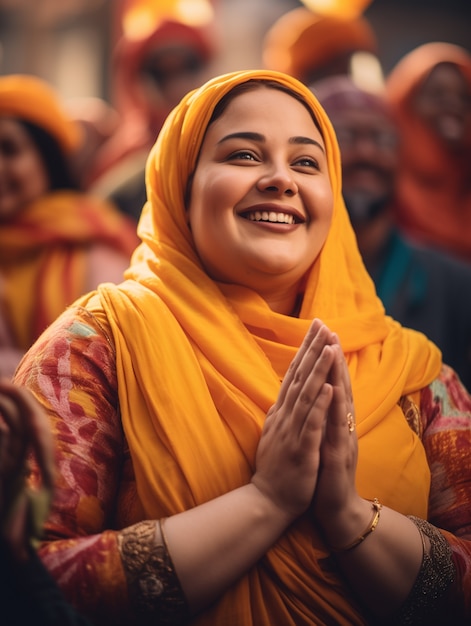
(288,455)
(214,544)
(24,428)
(337,507)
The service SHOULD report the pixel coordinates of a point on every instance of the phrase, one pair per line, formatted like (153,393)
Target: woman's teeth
(271,216)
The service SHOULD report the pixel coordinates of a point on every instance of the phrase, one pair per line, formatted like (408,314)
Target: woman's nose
(279,180)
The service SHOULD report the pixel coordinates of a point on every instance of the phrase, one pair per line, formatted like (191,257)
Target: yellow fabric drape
(43,257)
(30,98)
(200,363)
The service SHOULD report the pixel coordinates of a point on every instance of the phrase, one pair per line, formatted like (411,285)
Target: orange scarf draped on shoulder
(200,363)
(43,257)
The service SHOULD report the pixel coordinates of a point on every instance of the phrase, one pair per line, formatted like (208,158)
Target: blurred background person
(28,593)
(56,242)
(161,54)
(311,46)
(98,121)
(424,289)
(429,91)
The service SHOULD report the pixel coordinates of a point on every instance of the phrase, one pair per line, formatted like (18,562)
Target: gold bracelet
(377,506)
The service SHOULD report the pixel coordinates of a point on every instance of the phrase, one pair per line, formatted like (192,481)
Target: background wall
(402,25)
(68,41)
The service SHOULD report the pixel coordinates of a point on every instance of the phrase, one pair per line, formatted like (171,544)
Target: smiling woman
(232,421)
(255,209)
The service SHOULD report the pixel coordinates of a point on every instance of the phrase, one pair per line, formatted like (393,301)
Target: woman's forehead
(261,106)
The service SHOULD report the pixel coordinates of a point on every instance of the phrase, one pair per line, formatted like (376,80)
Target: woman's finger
(341,422)
(301,366)
(306,400)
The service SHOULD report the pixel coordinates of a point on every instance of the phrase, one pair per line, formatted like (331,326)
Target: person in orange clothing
(56,242)
(154,65)
(243,436)
(429,91)
(310,46)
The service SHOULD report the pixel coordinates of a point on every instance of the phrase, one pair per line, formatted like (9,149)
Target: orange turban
(33,100)
(161,31)
(301,41)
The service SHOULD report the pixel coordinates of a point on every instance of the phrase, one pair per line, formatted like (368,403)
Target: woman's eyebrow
(306,140)
(258,137)
(243,135)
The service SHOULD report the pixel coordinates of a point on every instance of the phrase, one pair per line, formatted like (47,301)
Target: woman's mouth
(272,217)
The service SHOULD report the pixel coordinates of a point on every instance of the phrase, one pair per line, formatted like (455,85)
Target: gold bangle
(377,506)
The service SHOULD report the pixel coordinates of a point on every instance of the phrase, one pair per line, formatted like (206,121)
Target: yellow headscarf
(200,363)
(30,98)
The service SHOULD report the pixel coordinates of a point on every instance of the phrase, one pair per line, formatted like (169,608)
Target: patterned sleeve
(111,565)
(71,372)
(445,409)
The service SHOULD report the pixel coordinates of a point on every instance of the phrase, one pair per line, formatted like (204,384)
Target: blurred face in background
(444,103)
(23,174)
(368,145)
(169,73)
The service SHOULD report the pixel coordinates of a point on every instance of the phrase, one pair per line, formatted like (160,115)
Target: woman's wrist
(270,509)
(346,526)
(370,527)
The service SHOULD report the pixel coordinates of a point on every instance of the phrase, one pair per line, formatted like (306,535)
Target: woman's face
(444,102)
(23,176)
(261,200)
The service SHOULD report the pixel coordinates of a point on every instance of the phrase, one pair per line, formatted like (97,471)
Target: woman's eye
(242,155)
(307,162)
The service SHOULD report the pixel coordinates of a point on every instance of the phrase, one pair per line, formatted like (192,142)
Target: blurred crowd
(72,178)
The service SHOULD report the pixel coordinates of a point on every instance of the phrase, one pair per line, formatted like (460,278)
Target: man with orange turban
(161,53)
(310,46)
